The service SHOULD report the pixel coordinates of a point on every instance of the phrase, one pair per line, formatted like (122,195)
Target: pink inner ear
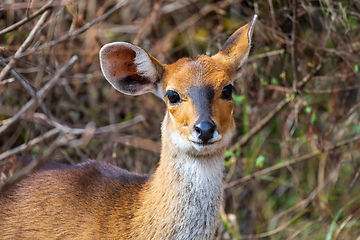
(122,71)
(120,63)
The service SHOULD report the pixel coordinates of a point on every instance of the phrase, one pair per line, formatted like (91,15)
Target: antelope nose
(205,130)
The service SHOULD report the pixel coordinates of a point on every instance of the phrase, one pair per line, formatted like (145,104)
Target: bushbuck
(181,200)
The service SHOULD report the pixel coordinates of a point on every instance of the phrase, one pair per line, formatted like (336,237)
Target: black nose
(205,130)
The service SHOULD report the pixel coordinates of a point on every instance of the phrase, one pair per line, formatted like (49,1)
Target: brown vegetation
(292,171)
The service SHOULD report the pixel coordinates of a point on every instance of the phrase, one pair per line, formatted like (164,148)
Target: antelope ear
(236,49)
(131,70)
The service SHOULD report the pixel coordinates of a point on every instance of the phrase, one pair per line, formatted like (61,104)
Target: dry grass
(292,171)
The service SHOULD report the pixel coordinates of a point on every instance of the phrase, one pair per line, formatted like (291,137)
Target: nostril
(205,130)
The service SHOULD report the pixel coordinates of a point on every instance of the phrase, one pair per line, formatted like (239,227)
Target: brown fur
(95,200)
(199,72)
(96,196)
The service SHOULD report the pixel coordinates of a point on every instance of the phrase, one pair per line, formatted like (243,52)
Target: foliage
(293,177)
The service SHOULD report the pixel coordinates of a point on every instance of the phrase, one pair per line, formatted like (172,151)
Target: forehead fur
(200,70)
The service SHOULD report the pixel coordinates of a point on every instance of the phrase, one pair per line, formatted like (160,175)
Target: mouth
(204,143)
(199,146)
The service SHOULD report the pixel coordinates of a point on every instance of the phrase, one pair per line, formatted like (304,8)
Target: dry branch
(293,44)
(266,54)
(60,141)
(33,4)
(17,150)
(74,33)
(25,84)
(259,126)
(68,130)
(25,44)
(289,39)
(27,19)
(291,162)
(41,94)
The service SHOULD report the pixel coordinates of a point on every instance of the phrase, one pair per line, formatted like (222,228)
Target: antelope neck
(188,190)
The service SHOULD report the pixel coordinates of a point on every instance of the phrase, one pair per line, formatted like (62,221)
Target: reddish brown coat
(94,200)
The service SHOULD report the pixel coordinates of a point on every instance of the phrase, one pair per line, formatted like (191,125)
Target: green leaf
(308,109)
(337,216)
(283,75)
(263,83)
(229,154)
(274,81)
(35,150)
(7,36)
(238,99)
(259,162)
(311,64)
(230,161)
(356,129)
(202,34)
(356,68)
(292,97)
(313,118)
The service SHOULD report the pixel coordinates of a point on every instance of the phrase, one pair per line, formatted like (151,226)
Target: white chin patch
(202,147)
(199,145)
(182,143)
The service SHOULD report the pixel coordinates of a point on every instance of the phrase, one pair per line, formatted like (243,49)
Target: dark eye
(227,92)
(173,97)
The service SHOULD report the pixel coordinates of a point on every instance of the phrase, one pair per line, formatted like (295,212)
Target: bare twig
(25,44)
(68,130)
(343,118)
(333,90)
(34,102)
(293,44)
(138,142)
(6,81)
(101,130)
(299,205)
(65,139)
(266,54)
(272,12)
(27,19)
(25,84)
(60,141)
(44,137)
(34,4)
(148,22)
(185,24)
(74,33)
(117,126)
(257,128)
(291,162)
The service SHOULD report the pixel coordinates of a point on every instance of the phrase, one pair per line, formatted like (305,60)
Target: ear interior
(236,49)
(129,69)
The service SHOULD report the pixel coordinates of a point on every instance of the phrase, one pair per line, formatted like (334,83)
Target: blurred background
(292,170)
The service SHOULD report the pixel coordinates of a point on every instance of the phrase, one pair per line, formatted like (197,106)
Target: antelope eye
(227,92)
(173,97)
